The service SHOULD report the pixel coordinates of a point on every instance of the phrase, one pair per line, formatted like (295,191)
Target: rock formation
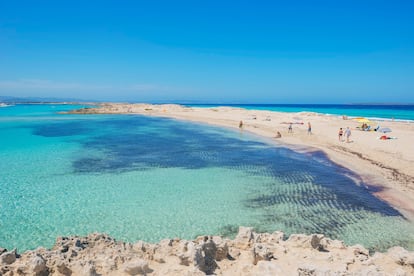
(249,253)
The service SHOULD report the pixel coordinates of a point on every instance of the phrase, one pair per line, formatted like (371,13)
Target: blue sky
(209,51)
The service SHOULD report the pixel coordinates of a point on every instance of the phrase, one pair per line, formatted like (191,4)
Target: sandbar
(384,166)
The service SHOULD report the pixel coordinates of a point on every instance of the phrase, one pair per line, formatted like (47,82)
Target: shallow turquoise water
(135,177)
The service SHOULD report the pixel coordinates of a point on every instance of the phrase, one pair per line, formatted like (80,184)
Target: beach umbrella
(384,130)
(362,120)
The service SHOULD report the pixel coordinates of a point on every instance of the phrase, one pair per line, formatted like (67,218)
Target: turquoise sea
(381,112)
(137,177)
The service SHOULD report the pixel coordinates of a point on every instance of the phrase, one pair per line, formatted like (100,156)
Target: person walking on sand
(309,129)
(340,133)
(347,134)
(290,130)
(241,124)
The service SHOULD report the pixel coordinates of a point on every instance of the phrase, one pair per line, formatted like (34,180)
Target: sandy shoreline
(387,165)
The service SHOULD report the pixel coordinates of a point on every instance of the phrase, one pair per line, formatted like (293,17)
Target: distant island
(15,100)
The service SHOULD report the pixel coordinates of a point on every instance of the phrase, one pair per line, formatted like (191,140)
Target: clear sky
(332,51)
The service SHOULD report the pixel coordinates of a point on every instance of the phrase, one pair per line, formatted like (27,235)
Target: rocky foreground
(249,253)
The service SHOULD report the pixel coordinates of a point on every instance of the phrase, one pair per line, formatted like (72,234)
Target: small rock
(159,258)
(328,244)
(166,242)
(234,253)
(222,248)
(198,258)
(8,257)
(187,255)
(244,237)
(184,259)
(316,241)
(209,249)
(306,270)
(261,252)
(38,265)
(64,269)
(277,236)
(401,256)
(88,270)
(136,267)
(359,249)
(304,241)
(139,246)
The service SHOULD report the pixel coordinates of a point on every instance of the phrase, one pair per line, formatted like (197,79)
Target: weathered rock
(187,254)
(401,256)
(244,237)
(87,270)
(198,258)
(8,257)
(306,270)
(137,267)
(360,250)
(328,244)
(277,237)
(222,248)
(261,252)
(38,265)
(316,241)
(163,250)
(209,249)
(234,253)
(139,246)
(304,241)
(64,269)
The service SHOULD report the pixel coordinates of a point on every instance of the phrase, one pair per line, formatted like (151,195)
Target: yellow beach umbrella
(362,120)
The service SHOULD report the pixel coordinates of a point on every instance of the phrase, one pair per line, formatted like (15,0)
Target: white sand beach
(386,164)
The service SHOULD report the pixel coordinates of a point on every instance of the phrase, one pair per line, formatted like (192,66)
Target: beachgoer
(290,130)
(241,124)
(309,128)
(340,133)
(278,135)
(347,134)
(364,126)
